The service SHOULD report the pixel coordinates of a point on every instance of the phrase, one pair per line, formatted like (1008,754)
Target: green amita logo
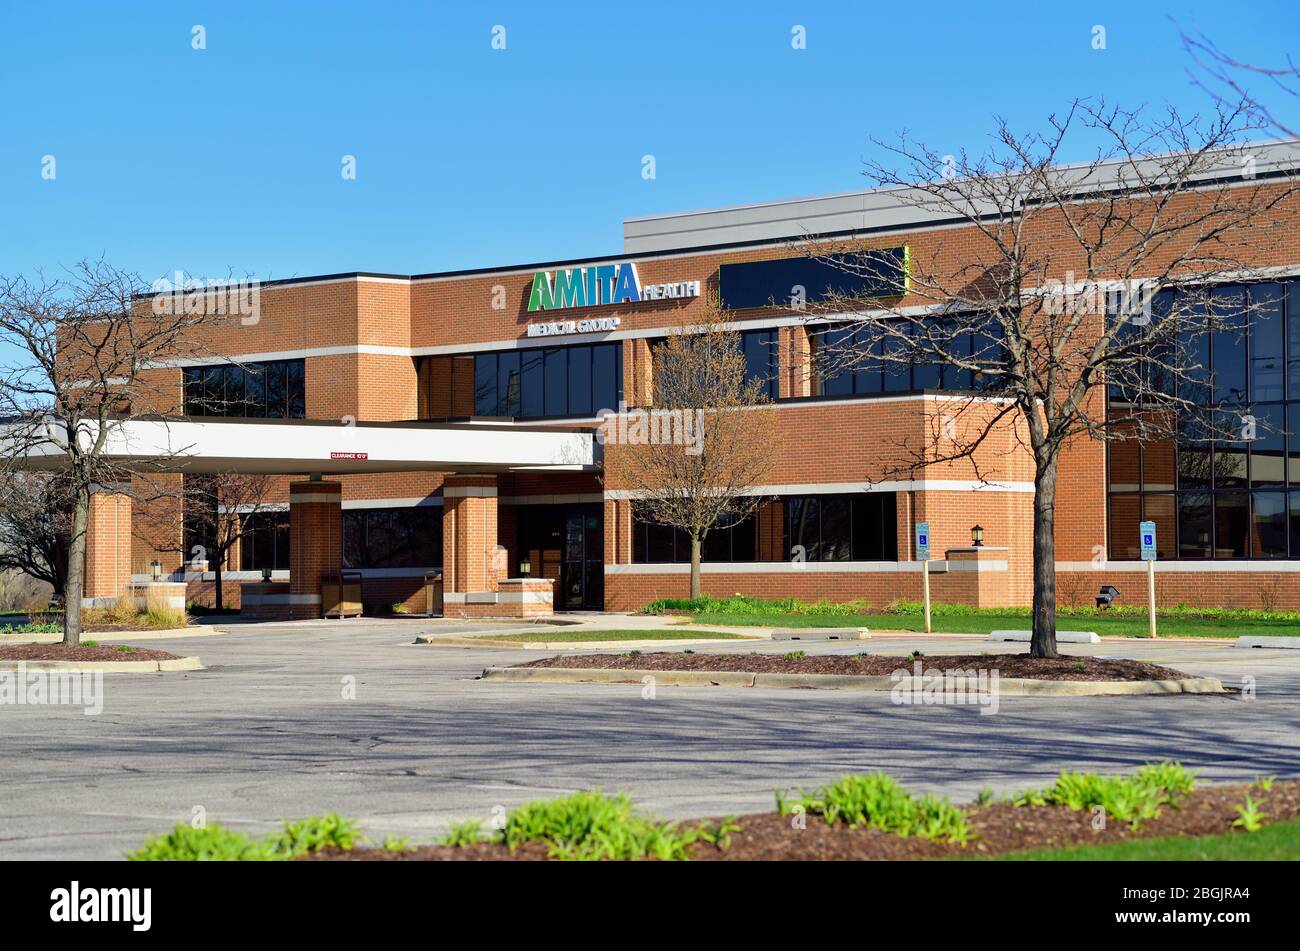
(601,284)
(585,287)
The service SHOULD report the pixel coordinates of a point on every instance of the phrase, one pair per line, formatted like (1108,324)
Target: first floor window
(264,541)
(392,537)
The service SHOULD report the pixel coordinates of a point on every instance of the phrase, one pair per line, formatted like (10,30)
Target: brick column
(108,547)
(471,559)
(315,543)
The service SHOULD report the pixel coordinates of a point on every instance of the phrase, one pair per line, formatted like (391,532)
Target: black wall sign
(879,273)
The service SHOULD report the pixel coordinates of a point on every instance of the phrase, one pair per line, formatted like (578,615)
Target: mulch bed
(999,828)
(1007,665)
(79,653)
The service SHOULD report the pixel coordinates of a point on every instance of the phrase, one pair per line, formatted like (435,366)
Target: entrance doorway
(566,543)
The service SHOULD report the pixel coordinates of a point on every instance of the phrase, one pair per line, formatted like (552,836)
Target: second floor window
(271,390)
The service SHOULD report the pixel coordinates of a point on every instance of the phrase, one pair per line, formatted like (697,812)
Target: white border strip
(830,488)
(1190,566)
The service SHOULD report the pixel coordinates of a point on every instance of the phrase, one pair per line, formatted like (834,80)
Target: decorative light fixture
(977,536)
(525,568)
(155,570)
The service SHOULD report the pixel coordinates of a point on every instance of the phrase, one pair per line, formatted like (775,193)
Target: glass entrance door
(567,543)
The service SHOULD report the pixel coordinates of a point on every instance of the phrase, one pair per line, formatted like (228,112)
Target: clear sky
(229,158)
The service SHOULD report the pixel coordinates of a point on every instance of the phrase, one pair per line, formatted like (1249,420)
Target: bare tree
(694,460)
(35,519)
(215,511)
(76,355)
(1066,279)
(1227,79)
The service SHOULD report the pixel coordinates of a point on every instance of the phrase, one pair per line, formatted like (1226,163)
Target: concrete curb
(178,633)
(111,666)
(1007,687)
(502,643)
(1271,643)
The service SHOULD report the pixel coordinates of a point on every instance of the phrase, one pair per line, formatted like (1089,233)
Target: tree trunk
(76,576)
(216,580)
(1043,641)
(695,567)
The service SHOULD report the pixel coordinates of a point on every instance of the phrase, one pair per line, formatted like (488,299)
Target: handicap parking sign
(923,541)
(1147,533)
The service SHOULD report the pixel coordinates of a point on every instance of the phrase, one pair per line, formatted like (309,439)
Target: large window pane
(1162,510)
(580,381)
(192,386)
(1269,525)
(1293,340)
(532,400)
(802,528)
(833,348)
(214,391)
(295,384)
(1267,343)
(760,358)
(1195,528)
(508,384)
(255,391)
(485,384)
(1125,514)
(1268,448)
(277,390)
(1229,345)
(557,382)
(1231,524)
(607,387)
(874,531)
(836,542)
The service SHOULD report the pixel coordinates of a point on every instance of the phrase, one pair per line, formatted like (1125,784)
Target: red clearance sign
(351,456)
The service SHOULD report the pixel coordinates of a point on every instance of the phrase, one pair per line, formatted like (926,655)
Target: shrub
(469,832)
(215,843)
(877,801)
(211,843)
(1132,799)
(591,825)
(315,833)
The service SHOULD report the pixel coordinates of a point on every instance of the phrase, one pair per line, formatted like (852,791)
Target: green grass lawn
(653,635)
(984,623)
(1280,841)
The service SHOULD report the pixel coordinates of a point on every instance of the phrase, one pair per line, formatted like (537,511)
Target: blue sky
(228,158)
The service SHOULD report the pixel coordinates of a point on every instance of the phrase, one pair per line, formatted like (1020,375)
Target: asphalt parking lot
(271,731)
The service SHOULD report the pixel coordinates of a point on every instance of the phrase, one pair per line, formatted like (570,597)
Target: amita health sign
(600,284)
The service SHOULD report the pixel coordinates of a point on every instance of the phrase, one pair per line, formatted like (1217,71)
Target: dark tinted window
(275,389)
(392,538)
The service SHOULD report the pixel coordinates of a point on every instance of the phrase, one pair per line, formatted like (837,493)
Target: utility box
(340,594)
(433,593)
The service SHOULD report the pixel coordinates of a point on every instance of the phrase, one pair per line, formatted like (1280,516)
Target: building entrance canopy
(311,447)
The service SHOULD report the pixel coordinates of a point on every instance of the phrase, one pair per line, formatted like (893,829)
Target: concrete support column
(108,547)
(472,559)
(315,543)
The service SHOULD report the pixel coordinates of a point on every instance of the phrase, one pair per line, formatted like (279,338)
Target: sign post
(1147,531)
(923,556)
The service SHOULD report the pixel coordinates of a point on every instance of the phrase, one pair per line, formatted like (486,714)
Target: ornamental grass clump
(590,825)
(1133,799)
(877,801)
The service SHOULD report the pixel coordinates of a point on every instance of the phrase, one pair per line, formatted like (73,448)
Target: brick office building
(383,373)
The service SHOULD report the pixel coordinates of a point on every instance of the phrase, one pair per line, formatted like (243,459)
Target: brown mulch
(1007,665)
(998,828)
(80,653)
